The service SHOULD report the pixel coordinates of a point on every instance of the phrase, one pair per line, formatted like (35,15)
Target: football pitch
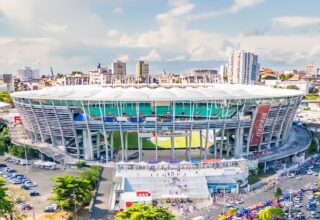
(163,142)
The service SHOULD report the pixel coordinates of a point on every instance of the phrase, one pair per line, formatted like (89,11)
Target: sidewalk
(100,209)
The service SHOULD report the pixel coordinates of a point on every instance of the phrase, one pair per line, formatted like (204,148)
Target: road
(286,184)
(101,203)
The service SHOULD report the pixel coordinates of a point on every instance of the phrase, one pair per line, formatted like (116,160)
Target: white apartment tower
(27,74)
(119,68)
(142,69)
(243,68)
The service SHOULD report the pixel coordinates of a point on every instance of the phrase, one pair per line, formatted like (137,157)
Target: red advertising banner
(17,119)
(258,124)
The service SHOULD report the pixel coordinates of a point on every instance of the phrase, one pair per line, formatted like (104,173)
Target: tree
(276,212)
(19,151)
(295,87)
(4,141)
(15,195)
(282,76)
(6,205)
(70,191)
(270,213)
(92,174)
(81,164)
(313,148)
(144,211)
(5,97)
(277,193)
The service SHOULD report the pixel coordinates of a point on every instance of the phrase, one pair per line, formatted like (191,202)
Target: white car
(229,205)
(310,167)
(298,178)
(30,184)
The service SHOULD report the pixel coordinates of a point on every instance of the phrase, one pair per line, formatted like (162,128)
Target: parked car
(25,187)
(135,155)
(30,184)
(34,193)
(26,207)
(51,208)
(3,165)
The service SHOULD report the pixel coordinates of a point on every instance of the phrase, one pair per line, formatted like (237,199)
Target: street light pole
(26,157)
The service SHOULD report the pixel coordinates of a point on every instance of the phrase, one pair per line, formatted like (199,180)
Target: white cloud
(53,27)
(177,58)
(113,33)
(123,57)
(118,10)
(237,6)
(242,4)
(295,21)
(153,55)
(283,49)
(178,8)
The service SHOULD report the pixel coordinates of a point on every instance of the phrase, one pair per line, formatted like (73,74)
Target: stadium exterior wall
(86,127)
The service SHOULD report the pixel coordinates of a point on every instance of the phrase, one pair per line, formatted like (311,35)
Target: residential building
(27,74)
(201,76)
(76,79)
(119,69)
(267,73)
(310,70)
(100,76)
(243,68)
(223,72)
(142,69)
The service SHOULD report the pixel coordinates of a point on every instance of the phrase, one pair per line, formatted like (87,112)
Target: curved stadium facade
(89,121)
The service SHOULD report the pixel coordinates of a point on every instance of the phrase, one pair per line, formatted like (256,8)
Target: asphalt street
(285,183)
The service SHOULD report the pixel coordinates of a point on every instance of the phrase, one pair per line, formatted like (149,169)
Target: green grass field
(163,142)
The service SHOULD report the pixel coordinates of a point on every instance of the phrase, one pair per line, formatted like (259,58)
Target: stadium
(175,122)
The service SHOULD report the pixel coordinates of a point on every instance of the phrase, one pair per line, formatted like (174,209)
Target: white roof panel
(187,93)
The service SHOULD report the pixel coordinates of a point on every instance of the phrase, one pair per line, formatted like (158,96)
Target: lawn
(163,142)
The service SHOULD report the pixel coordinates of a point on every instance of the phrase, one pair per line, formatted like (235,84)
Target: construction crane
(52,75)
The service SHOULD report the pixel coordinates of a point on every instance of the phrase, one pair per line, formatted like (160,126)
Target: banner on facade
(258,124)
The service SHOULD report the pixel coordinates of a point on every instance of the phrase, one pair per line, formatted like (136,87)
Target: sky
(171,35)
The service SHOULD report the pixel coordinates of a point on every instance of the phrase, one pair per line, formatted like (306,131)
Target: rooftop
(175,93)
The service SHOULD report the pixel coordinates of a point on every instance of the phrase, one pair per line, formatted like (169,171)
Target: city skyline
(175,36)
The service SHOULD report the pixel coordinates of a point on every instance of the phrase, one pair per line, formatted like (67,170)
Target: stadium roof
(188,93)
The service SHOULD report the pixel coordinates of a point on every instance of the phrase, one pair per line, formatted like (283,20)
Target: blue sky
(171,35)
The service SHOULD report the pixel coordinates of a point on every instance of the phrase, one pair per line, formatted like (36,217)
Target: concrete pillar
(265,167)
(173,156)
(98,144)
(87,146)
(238,143)
(126,145)
(112,147)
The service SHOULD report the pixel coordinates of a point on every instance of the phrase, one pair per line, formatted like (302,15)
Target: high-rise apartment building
(243,68)
(310,70)
(119,68)
(27,74)
(142,69)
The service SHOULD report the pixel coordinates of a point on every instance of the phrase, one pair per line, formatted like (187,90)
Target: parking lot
(42,178)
